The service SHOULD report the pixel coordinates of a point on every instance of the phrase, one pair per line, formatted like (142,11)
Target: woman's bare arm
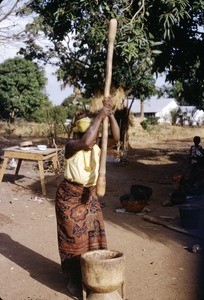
(114,128)
(113,123)
(87,141)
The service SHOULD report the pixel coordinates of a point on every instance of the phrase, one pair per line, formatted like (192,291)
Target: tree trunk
(142,109)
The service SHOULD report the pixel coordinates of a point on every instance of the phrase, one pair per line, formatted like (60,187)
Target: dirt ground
(158,263)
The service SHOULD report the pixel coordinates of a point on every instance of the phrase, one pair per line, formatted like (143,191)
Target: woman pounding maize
(80,225)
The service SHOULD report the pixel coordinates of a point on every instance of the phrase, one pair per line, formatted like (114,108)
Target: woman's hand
(108,106)
(107,102)
(90,146)
(107,111)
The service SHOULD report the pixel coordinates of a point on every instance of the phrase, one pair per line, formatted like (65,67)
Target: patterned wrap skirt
(80,226)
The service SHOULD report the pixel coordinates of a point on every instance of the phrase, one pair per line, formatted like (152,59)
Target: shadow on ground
(39,267)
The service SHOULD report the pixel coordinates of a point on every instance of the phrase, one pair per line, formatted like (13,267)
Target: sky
(13,24)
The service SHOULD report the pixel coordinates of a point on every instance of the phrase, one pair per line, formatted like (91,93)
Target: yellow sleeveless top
(83,167)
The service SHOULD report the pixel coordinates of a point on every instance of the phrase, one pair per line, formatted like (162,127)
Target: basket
(132,204)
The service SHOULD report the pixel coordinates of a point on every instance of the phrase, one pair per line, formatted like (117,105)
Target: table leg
(42,176)
(17,168)
(3,168)
(54,161)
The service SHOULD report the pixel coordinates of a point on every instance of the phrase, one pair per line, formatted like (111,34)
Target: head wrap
(82,125)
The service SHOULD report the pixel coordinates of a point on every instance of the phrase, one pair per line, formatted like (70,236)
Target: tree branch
(10,11)
(139,10)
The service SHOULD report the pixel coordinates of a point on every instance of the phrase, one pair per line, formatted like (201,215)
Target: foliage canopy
(153,36)
(22,85)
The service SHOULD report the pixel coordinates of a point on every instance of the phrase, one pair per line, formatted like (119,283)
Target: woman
(80,225)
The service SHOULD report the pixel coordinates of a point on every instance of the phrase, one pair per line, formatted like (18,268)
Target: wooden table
(31,154)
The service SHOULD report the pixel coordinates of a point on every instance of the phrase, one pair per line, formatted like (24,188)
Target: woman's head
(81,125)
(82,122)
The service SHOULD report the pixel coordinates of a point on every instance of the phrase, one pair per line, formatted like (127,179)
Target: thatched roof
(118,96)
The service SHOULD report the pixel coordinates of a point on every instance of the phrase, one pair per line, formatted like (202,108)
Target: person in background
(195,158)
(80,225)
(196,150)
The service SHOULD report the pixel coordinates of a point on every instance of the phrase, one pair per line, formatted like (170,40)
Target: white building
(190,115)
(157,107)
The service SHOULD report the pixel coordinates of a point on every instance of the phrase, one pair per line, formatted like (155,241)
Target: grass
(137,135)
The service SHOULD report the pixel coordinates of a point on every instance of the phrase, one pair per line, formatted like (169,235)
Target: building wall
(165,114)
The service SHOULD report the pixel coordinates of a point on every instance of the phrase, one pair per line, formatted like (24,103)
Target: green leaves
(172,15)
(21,88)
(152,36)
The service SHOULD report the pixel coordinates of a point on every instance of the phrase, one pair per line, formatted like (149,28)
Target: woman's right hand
(107,106)
(107,102)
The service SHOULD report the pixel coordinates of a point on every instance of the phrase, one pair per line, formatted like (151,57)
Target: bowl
(42,147)
(132,204)
(24,148)
(141,191)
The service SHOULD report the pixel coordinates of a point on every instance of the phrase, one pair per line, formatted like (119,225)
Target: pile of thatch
(118,96)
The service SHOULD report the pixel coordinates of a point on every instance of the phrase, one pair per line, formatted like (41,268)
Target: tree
(151,37)
(11,29)
(22,85)
(56,117)
(182,56)
(77,31)
(75,104)
(149,41)
(79,42)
